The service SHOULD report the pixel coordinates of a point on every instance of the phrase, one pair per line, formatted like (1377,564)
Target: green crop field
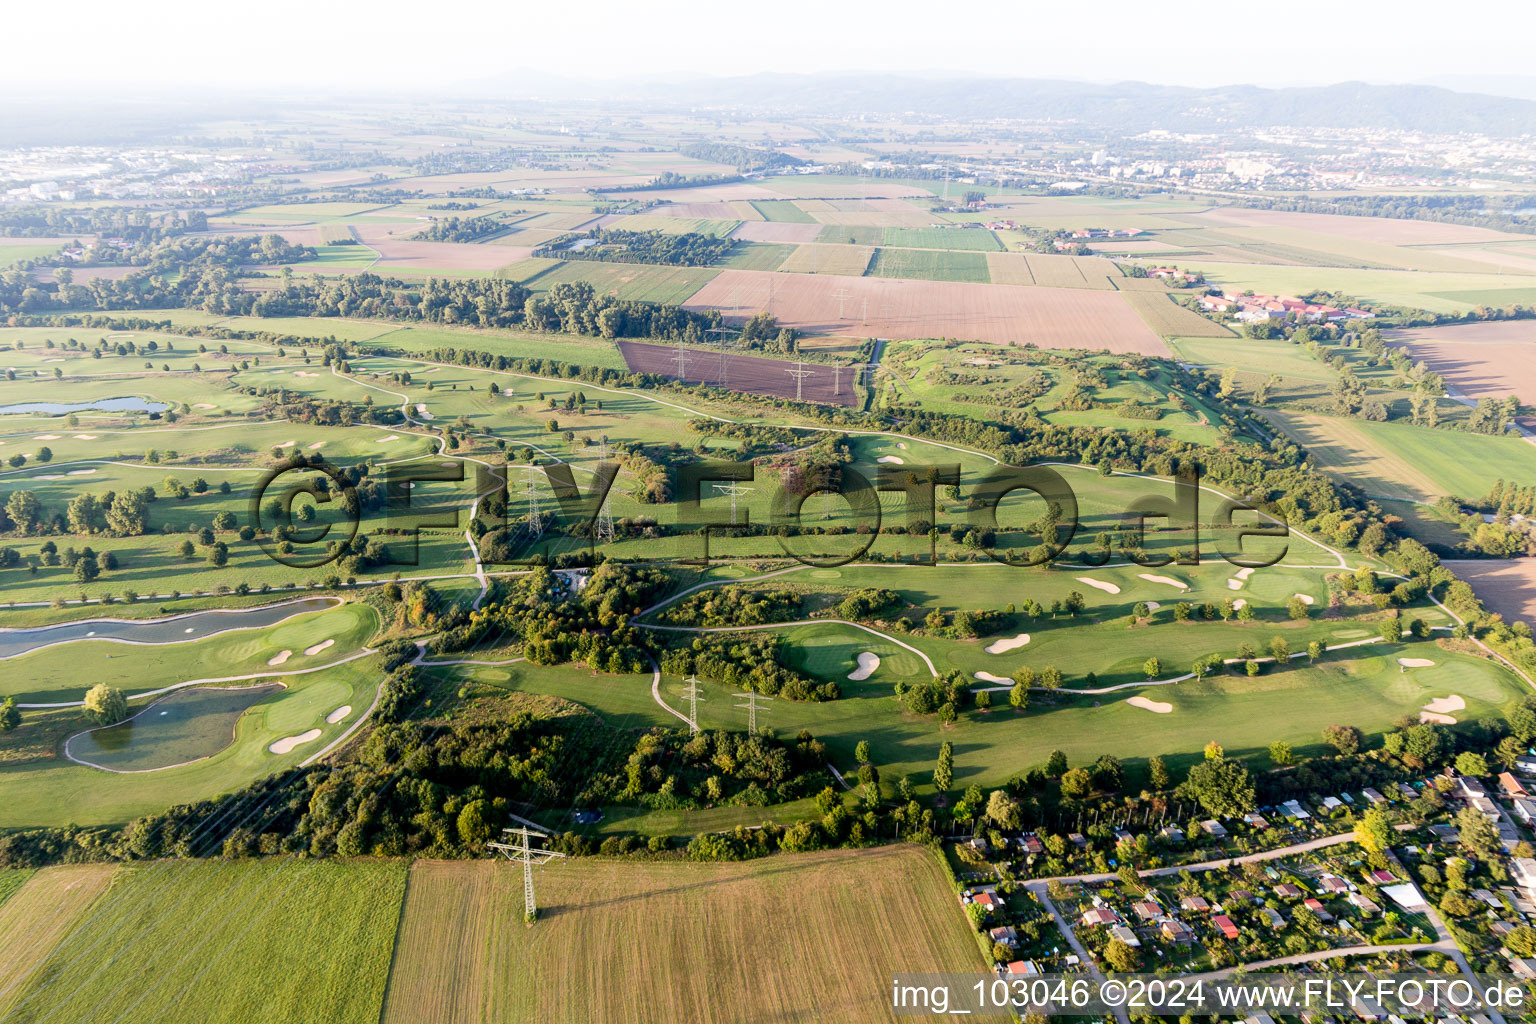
(209,941)
(461,934)
(782,211)
(1402,461)
(819,258)
(927,265)
(1170,319)
(756,256)
(676,225)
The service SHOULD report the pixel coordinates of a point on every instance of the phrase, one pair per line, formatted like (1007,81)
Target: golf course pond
(173,630)
(185,726)
(100,405)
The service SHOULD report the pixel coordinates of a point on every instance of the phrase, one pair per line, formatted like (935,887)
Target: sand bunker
(46,437)
(1238,579)
(205,405)
(1157,707)
(1444,705)
(1243,574)
(1234,584)
(897,459)
(421,410)
(1239,604)
(1004,646)
(301,373)
(53,360)
(988,677)
(283,444)
(287,743)
(868,662)
(81,472)
(1108,588)
(339,714)
(1425,663)
(1305,598)
(317,444)
(317,648)
(1168,580)
(279,658)
(391,437)
(85,437)
(902,445)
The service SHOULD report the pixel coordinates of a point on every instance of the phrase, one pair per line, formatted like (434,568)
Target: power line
(691,692)
(525,851)
(841,296)
(751,708)
(682,363)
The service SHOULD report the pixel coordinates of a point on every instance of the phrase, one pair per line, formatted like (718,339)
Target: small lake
(174,630)
(188,725)
(100,405)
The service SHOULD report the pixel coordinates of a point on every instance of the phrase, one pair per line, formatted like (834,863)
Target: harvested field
(1071,271)
(1507,586)
(848,260)
(1140,284)
(38,916)
(822,186)
(1172,320)
(753,374)
(1048,317)
(1009,268)
(777,231)
(604,946)
(678,225)
(1486,360)
(1382,230)
(928,265)
(705,211)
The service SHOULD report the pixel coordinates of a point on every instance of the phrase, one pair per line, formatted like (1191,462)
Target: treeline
(181,272)
(689,249)
(673,770)
(129,224)
(743,158)
(568,307)
(671,179)
(1486,211)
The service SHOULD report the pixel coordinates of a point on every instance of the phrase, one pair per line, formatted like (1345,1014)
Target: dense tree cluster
(460,229)
(754,661)
(613,245)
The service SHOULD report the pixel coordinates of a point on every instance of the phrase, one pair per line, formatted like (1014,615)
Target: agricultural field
(464,956)
(639,281)
(37,916)
(1508,586)
(1486,360)
(819,258)
(676,225)
(746,373)
(1168,318)
(1407,462)
(1047,317)
(208,940)
(927,265)
(953,239)
(782,212)
(766,256)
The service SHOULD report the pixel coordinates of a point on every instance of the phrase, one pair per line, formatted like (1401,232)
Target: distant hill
(1121,106)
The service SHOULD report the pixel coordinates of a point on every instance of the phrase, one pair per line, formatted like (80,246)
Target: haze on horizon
(463,46)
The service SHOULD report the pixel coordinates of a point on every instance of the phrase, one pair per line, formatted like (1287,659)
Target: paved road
(1062,925)
(1211,865)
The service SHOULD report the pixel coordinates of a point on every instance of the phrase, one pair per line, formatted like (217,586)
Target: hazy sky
(426,46)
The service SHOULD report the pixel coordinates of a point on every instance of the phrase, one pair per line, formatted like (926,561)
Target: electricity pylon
(530,855)
(799,373)
(682,363)
(531,497)
(735,491)
(751,708)
(726,334)
(841,295)
(692,691)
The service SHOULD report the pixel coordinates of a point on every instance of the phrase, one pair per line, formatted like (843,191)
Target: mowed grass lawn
(218,941)
(1403,461)
(928,265)
(625,941)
